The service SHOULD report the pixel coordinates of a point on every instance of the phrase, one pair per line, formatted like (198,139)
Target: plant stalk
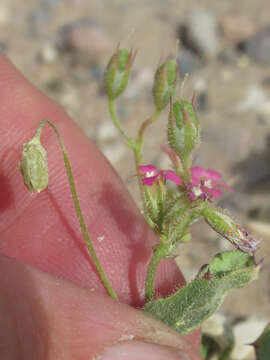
(78,208)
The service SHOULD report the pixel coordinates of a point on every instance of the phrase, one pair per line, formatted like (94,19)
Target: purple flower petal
(208,180)
(172,176)
(197,173)
(149,181)
(148,169)
(212,175)
(215,192)
(226,186)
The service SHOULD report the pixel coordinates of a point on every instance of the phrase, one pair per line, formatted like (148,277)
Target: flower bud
(33,166)
(154,199)
(224,224)
(117,72)
(165,83)
(183,128)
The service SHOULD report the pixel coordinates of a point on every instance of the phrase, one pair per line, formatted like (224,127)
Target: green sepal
(179,227)
(179,216)
(183,129)
(187,308)
(262,345)
(165,83)
(154,199)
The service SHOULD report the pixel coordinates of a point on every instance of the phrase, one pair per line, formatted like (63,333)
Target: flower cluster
(204,184)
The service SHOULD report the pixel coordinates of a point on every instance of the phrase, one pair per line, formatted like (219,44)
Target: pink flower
(151,174)
(205,184)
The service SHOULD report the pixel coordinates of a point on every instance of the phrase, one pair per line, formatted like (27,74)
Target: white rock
(246,332)
(203,31)
(48,53)
(86,38)
(255,99)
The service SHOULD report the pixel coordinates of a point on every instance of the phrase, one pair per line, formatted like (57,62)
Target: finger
(42,230)
(44,317)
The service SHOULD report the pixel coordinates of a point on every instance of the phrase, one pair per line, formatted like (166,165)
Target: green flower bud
(33,166)
(117,72)
(183,128)
(225,225)
(154,199)
(165,83)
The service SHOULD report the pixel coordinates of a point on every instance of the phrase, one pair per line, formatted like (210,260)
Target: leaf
(187,308)
(262,345)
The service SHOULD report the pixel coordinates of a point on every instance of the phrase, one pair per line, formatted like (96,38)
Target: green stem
(117,122)
(78,208)
(146,123)
(136,145)
(138,154)
(159,252)
(186,169)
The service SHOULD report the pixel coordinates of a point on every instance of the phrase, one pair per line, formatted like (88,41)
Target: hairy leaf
(187,308)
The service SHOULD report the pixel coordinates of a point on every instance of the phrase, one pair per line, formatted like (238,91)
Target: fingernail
(134,350)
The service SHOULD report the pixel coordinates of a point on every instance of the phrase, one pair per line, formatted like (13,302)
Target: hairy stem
(159,252)
(117,122)
(78,208)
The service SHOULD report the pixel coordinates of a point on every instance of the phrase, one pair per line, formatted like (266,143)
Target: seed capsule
(224,224)
(183,128)
(33,166)
(117,72)
(166,78)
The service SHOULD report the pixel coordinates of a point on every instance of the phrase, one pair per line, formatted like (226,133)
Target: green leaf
(262,345)
(187,308)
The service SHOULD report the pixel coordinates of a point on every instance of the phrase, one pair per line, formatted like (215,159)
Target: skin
(52,304)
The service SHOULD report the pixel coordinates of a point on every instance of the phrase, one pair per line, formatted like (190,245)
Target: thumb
(45,318)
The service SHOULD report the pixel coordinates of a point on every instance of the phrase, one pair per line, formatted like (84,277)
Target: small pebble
(202,32)
(255,99)
(86,39)
(48,53)
(257,47)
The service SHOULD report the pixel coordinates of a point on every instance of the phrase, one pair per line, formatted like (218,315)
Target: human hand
(56,307)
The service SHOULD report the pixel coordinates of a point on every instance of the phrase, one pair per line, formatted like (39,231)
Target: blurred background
(63,46)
